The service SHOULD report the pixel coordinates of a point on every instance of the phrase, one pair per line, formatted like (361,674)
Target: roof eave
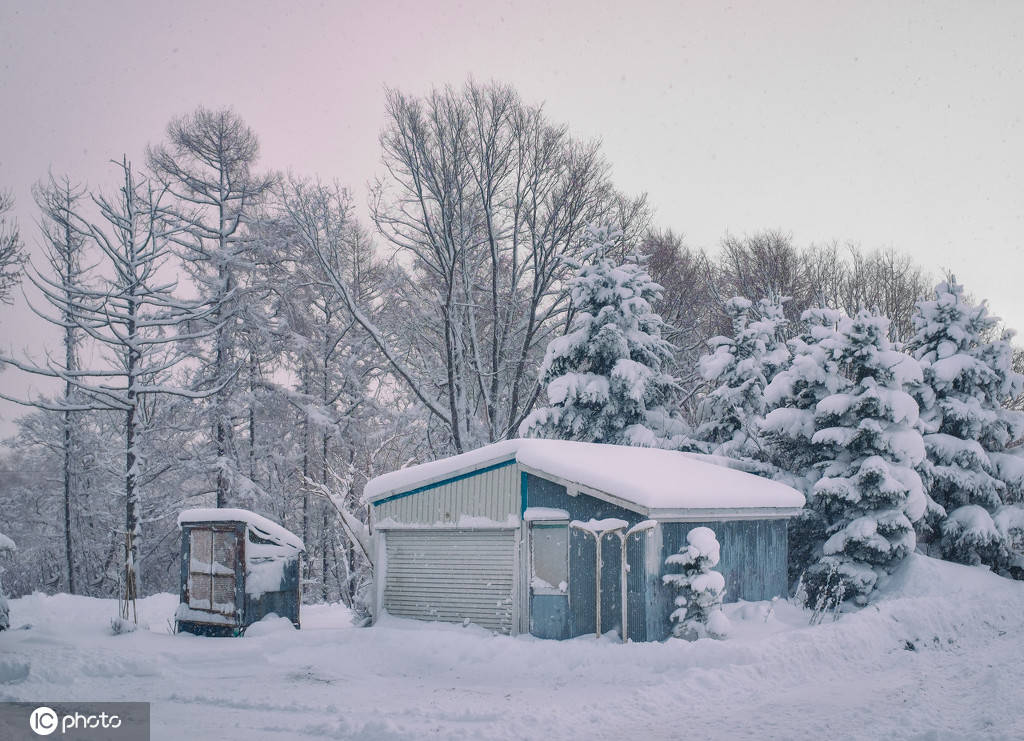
(710,514)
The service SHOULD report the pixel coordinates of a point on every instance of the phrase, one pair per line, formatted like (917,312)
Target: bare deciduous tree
(137,324)
(64,244)
(483,198)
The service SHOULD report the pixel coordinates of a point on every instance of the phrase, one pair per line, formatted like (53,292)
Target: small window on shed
(550,558)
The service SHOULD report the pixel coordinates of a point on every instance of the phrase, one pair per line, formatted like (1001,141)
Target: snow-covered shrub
(1009,521)
(869,493)
(739,368)
(605,379)
(969,471)
(969,535)
(120,626)
(698,612)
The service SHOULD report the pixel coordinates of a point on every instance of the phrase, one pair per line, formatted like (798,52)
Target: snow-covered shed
(551,537)
(237,567)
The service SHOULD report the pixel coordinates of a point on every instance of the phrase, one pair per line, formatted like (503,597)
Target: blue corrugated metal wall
(754,554)
(575,615)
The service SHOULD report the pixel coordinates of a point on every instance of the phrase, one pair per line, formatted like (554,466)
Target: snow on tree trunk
(869,493)
(698,612)
(605,379)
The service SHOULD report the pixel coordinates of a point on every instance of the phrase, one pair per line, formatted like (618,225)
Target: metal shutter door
(451,575)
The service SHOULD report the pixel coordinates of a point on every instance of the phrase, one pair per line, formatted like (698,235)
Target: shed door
(451,575)
(211,570)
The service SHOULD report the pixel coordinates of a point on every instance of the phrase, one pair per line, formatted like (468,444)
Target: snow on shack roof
(648,480)
(264,527)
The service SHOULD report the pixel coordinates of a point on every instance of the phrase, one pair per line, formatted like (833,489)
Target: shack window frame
(208,577)
(553,590)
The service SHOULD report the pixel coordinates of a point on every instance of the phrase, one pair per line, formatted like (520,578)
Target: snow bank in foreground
(938,656)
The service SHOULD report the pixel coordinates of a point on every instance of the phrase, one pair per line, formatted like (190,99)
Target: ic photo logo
(43,721)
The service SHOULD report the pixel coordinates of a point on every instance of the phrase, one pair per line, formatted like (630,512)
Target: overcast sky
(864,122)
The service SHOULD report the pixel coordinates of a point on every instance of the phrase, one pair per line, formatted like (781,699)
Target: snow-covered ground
(940,656)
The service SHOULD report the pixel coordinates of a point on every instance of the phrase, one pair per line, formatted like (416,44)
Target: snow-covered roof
(647,480)
(264,527)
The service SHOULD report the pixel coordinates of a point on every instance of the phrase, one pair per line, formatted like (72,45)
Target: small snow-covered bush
(970,536)
(698,612)
(1009,521)
(120,626)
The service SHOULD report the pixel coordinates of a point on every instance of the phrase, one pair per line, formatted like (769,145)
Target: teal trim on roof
(522,495)
(451,480)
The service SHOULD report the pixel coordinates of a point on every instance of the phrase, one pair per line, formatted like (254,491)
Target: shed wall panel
(754,554)
(492,494)
(451,576)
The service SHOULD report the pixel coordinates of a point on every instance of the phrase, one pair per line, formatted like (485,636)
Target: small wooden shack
(237,567)
(553,538)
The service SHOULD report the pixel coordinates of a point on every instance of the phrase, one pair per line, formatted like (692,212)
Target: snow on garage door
(451,575)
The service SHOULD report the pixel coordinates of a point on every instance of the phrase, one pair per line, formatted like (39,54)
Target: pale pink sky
(882,123)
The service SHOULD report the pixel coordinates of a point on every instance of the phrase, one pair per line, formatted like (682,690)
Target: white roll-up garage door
(451,575)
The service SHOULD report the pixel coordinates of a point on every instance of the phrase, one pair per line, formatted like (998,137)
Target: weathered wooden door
(213,557)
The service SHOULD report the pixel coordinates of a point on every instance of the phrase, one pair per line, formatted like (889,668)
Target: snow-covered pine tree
(740,367)
(788,429)
(208,166)
(698,612)
(6,546)
(869,493)
(968,472)
(606,379)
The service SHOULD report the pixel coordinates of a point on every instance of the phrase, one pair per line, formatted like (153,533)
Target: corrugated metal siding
(636,583)
(581,609)
(451,576)
(492,494)
(754,554)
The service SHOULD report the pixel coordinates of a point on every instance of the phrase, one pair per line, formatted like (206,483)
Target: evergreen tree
(606,379)
(698,612)
(741,366)
(788,429)
(208,165)
(967,376)
(869,493)
(6,546)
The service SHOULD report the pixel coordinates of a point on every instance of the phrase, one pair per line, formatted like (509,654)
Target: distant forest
(232,336)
